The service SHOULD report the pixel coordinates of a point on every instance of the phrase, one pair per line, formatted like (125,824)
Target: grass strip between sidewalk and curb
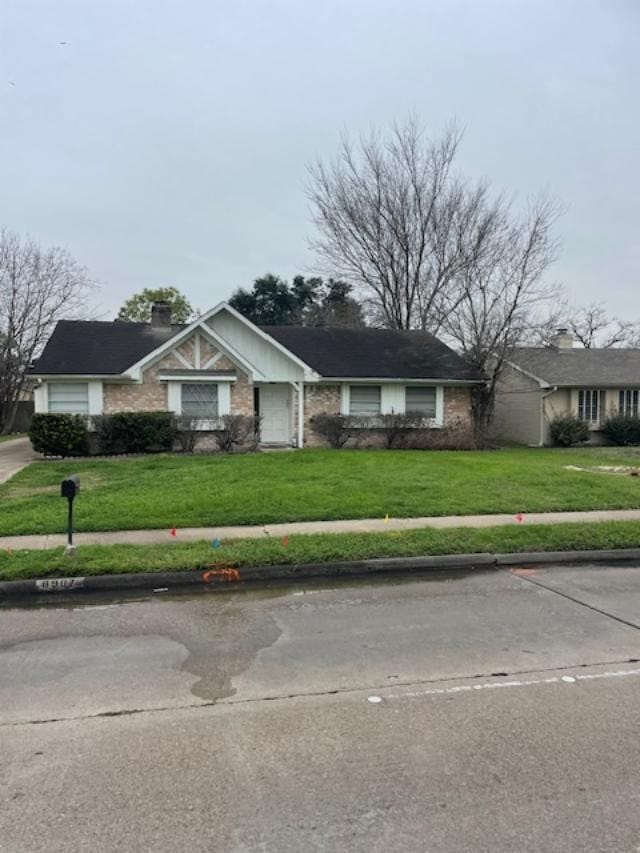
(92,560)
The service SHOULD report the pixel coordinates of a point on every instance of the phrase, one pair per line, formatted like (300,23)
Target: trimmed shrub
(622,429)
(457,435)
(59,435)
(236,431)
(187,433)
(334,428)
(568,429)
(398,429)
(135,432)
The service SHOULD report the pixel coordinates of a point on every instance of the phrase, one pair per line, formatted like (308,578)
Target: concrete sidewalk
(365,525)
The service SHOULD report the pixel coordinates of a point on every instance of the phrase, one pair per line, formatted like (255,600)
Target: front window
(364,400)
(200,399)
(628,402)
(421,400)
(589,405)
(68,398)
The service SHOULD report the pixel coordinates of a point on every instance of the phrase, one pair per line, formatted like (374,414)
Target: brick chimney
(563,339)
(161,313)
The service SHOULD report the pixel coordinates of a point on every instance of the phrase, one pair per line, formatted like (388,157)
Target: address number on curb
(59,584)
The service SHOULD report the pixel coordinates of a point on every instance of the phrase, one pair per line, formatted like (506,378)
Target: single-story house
(223,364)
(538,383)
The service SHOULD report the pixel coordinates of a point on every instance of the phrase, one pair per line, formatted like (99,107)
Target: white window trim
(95,395)
(363,414)
(393,398)
(575,397)
(623,409)
(174,396)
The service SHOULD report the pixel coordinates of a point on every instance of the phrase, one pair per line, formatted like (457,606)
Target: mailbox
(70,487)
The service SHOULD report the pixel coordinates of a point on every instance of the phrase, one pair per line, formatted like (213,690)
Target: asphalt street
(493,711)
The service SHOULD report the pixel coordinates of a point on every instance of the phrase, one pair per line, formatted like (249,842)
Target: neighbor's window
(200,399)
(422,399)
(589,404)
(364,400)
(69,397)
(628,402)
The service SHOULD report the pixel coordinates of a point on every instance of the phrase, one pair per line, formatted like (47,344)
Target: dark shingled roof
(80,347)
(98,347)
(373,353)
(579,367)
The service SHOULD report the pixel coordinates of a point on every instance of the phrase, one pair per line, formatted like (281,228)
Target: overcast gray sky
(166,142)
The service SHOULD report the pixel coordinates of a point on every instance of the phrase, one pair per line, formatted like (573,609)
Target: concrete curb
(235,578)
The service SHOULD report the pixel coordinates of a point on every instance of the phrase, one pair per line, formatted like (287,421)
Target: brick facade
(457,405)
(151,394)
(318,399)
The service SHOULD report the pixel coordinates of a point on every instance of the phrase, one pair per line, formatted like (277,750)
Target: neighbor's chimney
(161,313)
(563,339)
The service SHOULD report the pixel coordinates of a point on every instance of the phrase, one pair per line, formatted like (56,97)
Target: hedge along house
(223,364)
(539,383)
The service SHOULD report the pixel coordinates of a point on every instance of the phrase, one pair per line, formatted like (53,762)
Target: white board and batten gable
(275,362)
(259,355)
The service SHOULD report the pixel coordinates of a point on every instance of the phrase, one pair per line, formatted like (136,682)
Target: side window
(589,404)
(421,399)
(199,399)
(364,400)
(68,397)
(628,402)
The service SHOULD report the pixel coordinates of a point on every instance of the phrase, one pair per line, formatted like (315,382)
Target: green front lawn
(176,556)
(194,491)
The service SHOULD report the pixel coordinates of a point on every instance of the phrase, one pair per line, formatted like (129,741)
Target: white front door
(275,412)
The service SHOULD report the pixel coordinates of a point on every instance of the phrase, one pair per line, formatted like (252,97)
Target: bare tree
(431,251)
(590,325)
(37,288)
(503,291)
(394,222)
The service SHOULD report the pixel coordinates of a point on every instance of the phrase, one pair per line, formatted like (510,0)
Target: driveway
(14,456)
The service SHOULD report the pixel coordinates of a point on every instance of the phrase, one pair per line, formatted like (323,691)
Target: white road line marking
(494,685)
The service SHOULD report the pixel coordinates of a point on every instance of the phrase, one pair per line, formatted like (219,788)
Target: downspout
(299,388)
(542,399)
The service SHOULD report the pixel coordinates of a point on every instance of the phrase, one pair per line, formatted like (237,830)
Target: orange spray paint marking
(285,541)
(224,574)
(523,572)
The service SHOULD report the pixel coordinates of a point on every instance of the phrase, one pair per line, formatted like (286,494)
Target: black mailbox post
(69,488)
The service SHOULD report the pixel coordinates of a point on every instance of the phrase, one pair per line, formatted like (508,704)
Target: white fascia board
(135,371)
(372,380)
(187,377)
(541,382)
(200,324)
(224,306)
(76,377)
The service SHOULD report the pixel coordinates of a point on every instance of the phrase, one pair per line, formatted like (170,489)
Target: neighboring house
(538,383)
(223,364)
